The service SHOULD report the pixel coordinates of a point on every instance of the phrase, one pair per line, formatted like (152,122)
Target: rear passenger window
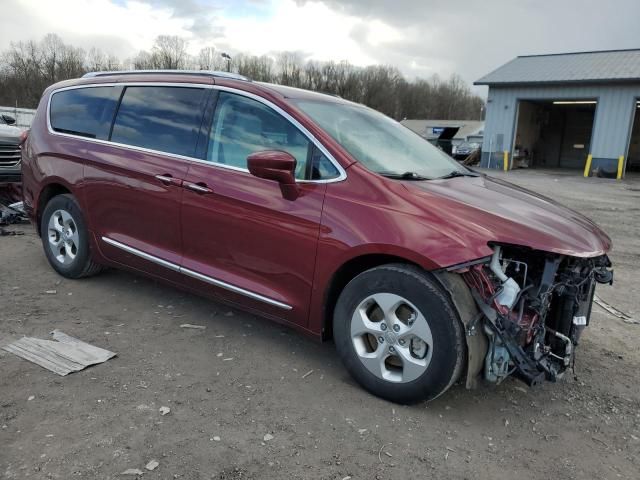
(86,112)
(160,118)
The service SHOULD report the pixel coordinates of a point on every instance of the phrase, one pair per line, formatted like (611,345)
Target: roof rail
(204,73)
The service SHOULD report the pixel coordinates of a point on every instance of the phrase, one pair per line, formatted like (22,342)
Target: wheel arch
(52,189)
(347,272)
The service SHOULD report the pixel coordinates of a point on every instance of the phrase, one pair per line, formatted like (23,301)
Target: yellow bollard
(587,167)
(620,165)
(505,161)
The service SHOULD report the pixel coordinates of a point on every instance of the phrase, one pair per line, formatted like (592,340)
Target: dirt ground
(243,377)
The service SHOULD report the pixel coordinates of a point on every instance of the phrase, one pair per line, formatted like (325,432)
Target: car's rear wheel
(398,334)
(65,238)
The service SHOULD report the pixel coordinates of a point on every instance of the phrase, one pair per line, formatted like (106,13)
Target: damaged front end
(533,308)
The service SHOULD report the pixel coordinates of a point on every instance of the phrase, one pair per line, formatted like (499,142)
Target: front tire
(398,335)
(65,238)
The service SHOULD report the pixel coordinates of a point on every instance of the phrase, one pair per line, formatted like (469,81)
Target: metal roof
(579,67)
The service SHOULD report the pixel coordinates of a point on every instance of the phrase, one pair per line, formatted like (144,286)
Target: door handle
(198,188)
(168,179)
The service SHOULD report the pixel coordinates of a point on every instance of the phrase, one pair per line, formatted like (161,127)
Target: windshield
(380,143)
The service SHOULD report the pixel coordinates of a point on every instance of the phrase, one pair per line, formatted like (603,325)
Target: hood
(9,134)
(484,209)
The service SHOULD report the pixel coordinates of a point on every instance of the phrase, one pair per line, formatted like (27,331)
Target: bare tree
(96,60)
(289,66)
(143,61)
(209,59)
(112,63)
(27,68)
(256,68)
(169,52)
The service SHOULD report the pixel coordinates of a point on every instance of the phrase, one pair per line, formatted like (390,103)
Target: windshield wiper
(404,176)
(458,173)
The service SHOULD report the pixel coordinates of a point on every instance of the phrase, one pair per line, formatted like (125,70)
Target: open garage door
(553,134)
(633,155)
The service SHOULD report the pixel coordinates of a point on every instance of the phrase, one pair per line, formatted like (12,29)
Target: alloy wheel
(391,337)
(63,237)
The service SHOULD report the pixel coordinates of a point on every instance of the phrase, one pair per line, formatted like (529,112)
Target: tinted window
(87,112)
(160,118)
(321,167)
(242,126)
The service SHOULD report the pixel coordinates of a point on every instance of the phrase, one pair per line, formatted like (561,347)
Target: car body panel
(488,208)
(125,202)
(49,160)
(246,234)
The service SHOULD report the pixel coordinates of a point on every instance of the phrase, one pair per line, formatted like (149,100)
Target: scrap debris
(615,312)
(196,327)
(7,233)
(132,471)
(62,355)
(11,213)
(385,452)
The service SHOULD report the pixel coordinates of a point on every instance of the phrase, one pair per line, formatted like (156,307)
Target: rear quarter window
(86,112)
(160,118)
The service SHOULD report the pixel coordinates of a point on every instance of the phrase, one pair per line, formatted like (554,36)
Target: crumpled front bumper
(534,338)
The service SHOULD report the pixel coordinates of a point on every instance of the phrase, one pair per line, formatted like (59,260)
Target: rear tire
(398,335)
(65,238)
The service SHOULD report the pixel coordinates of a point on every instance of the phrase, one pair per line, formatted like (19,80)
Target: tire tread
(90,267)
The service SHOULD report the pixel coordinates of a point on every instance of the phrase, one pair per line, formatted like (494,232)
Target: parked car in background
(10,138)
(317,213)
(464,149)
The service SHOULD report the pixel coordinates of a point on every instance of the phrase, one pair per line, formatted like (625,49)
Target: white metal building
(572,110)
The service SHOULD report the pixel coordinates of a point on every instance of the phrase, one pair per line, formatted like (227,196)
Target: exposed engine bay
(534,307)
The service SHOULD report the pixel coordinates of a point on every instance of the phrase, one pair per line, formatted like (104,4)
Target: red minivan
(318,213)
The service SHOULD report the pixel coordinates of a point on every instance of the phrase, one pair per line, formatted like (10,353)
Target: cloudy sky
(420,37)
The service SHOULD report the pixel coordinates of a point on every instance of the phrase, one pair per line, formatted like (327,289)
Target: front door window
(242,126)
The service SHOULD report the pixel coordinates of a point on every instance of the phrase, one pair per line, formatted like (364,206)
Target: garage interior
(553,134)
(633,154)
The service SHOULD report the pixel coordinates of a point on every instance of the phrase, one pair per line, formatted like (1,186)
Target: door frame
(632,121)
(551,100)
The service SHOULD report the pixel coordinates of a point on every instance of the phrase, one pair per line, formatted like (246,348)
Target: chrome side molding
(141,254)
(196,275)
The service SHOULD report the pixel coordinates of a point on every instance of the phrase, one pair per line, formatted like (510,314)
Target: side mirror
(278,166)
(9,120)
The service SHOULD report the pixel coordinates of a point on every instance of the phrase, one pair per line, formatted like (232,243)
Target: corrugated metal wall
(612,126)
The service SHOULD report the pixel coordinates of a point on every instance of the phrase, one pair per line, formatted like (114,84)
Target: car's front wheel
(65,238)
(398,334)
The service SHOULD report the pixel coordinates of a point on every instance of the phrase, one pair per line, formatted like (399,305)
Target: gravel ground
(253,400)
